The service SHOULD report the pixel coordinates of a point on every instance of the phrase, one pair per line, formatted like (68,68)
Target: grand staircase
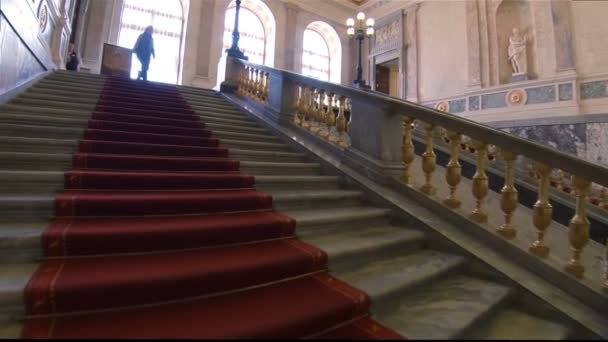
(417,288)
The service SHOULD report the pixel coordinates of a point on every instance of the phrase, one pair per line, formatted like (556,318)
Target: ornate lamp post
(234,50)
(360,29)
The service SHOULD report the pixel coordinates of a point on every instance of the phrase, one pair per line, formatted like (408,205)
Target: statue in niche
(517,52)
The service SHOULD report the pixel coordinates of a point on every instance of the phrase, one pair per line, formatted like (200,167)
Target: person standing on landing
(143,49)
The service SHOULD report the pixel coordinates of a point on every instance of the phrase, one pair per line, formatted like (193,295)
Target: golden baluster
(318,113)
(266,87)
(307,108)
(429,161)
(350,117)
(260,89)
(330,118)
(606,270)
(579,227)
(251,83)
(480,182)
(341,121)
(453,174)
(296,107)
(604,197)
(543,211)
(559,180)
(409,154)
(321,114)
(510,197)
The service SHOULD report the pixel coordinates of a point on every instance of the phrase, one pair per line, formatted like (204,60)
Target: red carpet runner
(158,235)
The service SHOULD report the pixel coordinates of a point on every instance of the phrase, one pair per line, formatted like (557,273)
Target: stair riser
(210,118)
(31,188)
(262,158)
(41,132)
(304,229)
(317,203)
(244,136)
(297,186)
(351,261)
(69,150)
(278,171)
(55,104)
(36,165)
(69,114)
(387,301)
(233,128)
(252,146)
(39,120)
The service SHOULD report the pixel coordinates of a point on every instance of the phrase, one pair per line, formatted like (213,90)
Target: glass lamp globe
(350,22)
(361,16)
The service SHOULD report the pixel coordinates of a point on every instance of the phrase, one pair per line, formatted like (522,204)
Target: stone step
(225,120)
(284,169)
(19,161)
(60,97)
(35,182)
(516,325)
(36,131)
(388,278)
(349,249)
(37,145)
(234,128)
(46,111)
(254,145)
(445,309)
(267,156)
(330,219)
(311,199)
(255,137)
(28,207)
(30,182)
(43,120)
(271,183)
(69,84)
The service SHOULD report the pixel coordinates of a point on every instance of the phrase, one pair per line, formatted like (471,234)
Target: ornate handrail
(320,107)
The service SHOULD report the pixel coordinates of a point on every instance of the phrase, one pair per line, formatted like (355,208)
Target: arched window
(322,52)
(167,17)
(315,56)
(257,29)
(252,39)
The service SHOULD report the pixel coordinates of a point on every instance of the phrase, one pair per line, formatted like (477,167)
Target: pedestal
(519,77)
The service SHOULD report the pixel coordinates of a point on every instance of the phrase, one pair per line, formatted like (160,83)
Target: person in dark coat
(72,60)
(143,49)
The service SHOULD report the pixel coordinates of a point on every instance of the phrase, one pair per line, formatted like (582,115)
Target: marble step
(254,137)
(46,111)
(225,120)
(330,219)
(60,97)
(30,182)
(272,183)
(36,161)
(89,107)
(29,144)
(34,130)
(283,169)
(445,309)
(20,240)
(69,84)
(512,324)
(254,145)
(28,207)
(349,249)
(312,199)
(267,156)
(19,161)
(35,182)
(389,278)
(235,128)
(43,120)
(219,104)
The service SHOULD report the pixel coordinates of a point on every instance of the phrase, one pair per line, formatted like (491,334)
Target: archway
(168,19)
(322,52)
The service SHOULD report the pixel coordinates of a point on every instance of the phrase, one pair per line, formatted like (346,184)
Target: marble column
(484,43)
(473,45)
(562,29)
(411,42)
(290,36)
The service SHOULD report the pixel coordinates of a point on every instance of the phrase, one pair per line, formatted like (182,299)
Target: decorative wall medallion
(443,106)
(516,97)
(43,18)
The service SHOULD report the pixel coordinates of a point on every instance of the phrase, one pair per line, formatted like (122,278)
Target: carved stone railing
(377,136)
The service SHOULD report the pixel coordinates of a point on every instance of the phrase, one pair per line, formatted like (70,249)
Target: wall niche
(512,14)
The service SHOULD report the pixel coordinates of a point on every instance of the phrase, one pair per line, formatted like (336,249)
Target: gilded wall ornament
(43,18)
(443,106)
(516,97)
